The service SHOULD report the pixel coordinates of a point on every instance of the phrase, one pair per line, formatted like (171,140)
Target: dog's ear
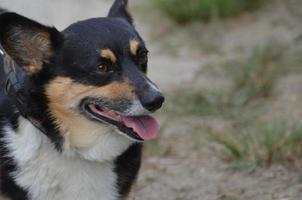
(120,9)
(28,43)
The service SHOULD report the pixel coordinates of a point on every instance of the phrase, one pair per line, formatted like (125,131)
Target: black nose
(154,102)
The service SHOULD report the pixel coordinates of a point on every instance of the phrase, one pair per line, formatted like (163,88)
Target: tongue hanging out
(145,126)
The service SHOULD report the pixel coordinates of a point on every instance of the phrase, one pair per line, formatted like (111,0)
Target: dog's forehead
(100,33)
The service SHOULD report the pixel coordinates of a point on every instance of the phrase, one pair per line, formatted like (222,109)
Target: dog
(74,108)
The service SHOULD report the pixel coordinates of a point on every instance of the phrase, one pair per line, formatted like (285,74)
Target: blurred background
(232,73)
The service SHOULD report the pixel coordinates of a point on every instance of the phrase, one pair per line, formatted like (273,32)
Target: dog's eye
(143,57)
(104,68)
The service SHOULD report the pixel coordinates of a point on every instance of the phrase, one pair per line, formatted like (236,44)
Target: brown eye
(143,57)
(104,68)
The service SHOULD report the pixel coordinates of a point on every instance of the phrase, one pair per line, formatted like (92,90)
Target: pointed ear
(27,42)
(120,9)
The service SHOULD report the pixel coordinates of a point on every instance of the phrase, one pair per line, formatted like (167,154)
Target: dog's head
(87,84)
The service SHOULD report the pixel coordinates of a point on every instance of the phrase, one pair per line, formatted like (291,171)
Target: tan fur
(4,198)
(64,98)
(31,50)
(130,195)
(134,45)
(33,69)
(108,54)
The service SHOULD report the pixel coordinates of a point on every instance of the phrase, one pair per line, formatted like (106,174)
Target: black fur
(119,9)
(127,167)
(8,186)
(2,11)
(8,117)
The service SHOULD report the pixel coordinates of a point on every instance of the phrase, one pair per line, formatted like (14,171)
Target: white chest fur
(49,175)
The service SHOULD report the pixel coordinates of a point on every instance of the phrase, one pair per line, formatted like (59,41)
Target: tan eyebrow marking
(108,54)
(134,45)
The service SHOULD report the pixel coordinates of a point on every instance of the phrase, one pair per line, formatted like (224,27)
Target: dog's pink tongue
(145,126)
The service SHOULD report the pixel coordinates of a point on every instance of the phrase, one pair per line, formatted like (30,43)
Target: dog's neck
(51,175)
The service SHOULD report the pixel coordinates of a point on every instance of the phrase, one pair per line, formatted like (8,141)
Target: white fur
(153,86)
(136,109)
(50,175)
(108,146)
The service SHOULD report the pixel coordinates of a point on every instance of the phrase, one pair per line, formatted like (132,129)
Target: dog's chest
(47,175)
(67,180)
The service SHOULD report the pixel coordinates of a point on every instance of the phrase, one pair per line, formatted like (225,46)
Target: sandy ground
(184,174)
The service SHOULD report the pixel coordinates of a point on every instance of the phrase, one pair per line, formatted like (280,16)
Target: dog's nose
(154,102)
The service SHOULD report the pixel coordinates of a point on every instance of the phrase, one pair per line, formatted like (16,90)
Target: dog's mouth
(139,128)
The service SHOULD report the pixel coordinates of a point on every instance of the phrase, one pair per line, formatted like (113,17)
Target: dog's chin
(137,128)
(106,148)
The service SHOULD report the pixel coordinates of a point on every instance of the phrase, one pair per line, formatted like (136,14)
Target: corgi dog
(75,107)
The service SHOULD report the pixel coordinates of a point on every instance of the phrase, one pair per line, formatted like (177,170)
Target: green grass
(255,76)
(254,138)
(253,79)
(228,197)
(184,11)
(200,102)
(262,145)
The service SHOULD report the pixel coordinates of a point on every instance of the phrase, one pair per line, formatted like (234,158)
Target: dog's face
(88,83)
